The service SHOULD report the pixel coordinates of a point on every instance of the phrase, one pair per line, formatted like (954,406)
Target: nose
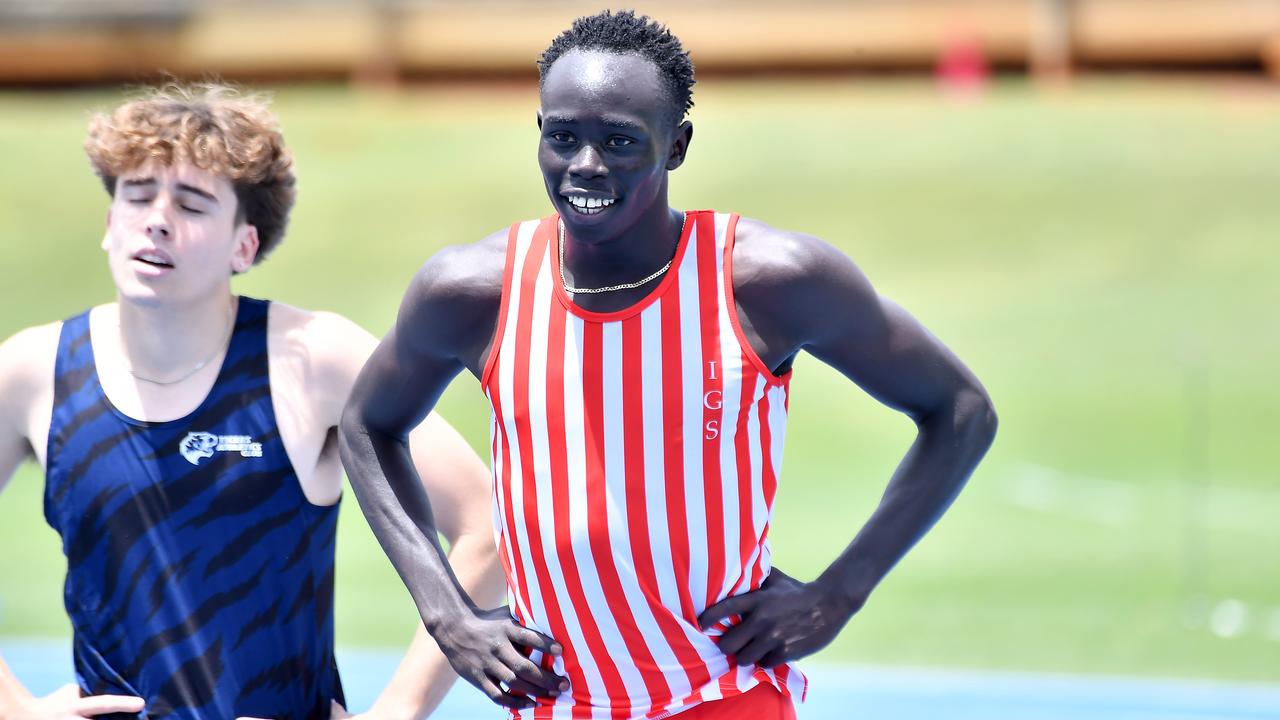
(588,163)
(158,230)
(158,226)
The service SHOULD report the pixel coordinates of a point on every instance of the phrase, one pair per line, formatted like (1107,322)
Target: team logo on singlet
(197,446)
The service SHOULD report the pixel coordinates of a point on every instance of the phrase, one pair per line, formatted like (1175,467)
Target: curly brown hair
(215,127)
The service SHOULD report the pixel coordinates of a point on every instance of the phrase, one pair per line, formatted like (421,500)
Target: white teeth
(589,203)
(153,258)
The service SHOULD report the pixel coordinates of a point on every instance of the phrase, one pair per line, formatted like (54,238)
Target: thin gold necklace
(564,282)
(231,324)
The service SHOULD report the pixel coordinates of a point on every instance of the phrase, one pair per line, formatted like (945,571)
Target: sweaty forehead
(605,80)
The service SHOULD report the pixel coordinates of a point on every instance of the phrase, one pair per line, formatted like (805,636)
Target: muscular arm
(457,483)
(797,293)
(445,321)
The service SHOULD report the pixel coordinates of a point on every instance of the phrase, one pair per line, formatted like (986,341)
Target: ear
(680,145)
(106,234)
(246,249)
(539,118)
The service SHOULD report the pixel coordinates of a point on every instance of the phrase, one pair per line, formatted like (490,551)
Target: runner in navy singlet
(188,437)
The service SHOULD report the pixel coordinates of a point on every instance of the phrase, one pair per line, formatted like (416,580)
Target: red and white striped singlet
(635,458)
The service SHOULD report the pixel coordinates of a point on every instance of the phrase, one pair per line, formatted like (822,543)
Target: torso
(200,572)
(635,455)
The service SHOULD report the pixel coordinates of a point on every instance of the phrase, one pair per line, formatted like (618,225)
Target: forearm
(391,495)
(424,675)
(12,692)
(948,447)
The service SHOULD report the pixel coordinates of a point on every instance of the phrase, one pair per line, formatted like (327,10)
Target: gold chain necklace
(200,365)
(564,282)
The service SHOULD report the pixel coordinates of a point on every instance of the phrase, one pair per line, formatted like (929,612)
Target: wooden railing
(111,40)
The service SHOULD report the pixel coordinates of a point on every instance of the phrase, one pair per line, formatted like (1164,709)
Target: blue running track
(837,692)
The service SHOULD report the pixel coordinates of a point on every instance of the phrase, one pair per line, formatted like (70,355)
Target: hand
(784,620)
(484,648)
(65,703)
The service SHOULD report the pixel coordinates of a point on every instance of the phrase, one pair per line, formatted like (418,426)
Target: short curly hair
(623,33)
(215,127)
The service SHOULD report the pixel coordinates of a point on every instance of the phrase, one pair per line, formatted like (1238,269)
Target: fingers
(774,657)
(521,635)
(539,681)
(736,605)
(494,692)
(106,704)
(738,637)
(759,646)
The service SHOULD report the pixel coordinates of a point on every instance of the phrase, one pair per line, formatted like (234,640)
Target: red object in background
(962,64)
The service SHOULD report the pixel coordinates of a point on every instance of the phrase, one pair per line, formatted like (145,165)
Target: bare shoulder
(324,341)
(770,260)
(28,356)
(464,272)
(27,362)
(451,306)
(793,289)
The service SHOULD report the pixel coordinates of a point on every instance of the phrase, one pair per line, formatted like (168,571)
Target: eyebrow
(183,187)
(197,191)
(608,122)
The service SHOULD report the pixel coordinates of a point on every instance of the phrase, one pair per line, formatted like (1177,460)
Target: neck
(641,249)
(165,340)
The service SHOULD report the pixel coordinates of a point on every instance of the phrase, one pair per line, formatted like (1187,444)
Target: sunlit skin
(173,234)
(606,133)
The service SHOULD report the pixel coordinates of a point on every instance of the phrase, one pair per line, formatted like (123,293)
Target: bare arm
(19,390)
(457,483)
(796,293)
(26,379)
(445,321)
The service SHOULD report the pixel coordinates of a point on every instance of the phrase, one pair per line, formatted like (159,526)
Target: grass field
(1104,258)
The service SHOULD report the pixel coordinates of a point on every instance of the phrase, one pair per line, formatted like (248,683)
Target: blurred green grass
(1102,257)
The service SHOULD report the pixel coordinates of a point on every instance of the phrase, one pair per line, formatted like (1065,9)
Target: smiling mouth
(589,206)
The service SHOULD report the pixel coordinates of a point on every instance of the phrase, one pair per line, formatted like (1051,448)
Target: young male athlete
(188,440)
(637,359)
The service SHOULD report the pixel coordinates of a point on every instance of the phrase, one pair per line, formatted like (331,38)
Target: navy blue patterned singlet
(199,577)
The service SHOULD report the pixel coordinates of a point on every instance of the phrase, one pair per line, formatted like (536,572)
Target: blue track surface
(836,692)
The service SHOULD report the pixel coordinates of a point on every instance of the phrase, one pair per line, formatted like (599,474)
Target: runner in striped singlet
(637,362)
(187,437)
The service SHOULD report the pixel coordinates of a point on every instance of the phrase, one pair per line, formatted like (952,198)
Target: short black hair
(623,33)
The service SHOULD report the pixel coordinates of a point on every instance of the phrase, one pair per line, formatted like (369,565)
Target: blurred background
(1078,196)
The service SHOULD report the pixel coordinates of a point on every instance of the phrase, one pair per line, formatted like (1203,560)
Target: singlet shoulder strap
(74,364)
(519,237)
(249,338)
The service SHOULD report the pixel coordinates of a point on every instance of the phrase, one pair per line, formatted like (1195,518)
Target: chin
(603,226)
